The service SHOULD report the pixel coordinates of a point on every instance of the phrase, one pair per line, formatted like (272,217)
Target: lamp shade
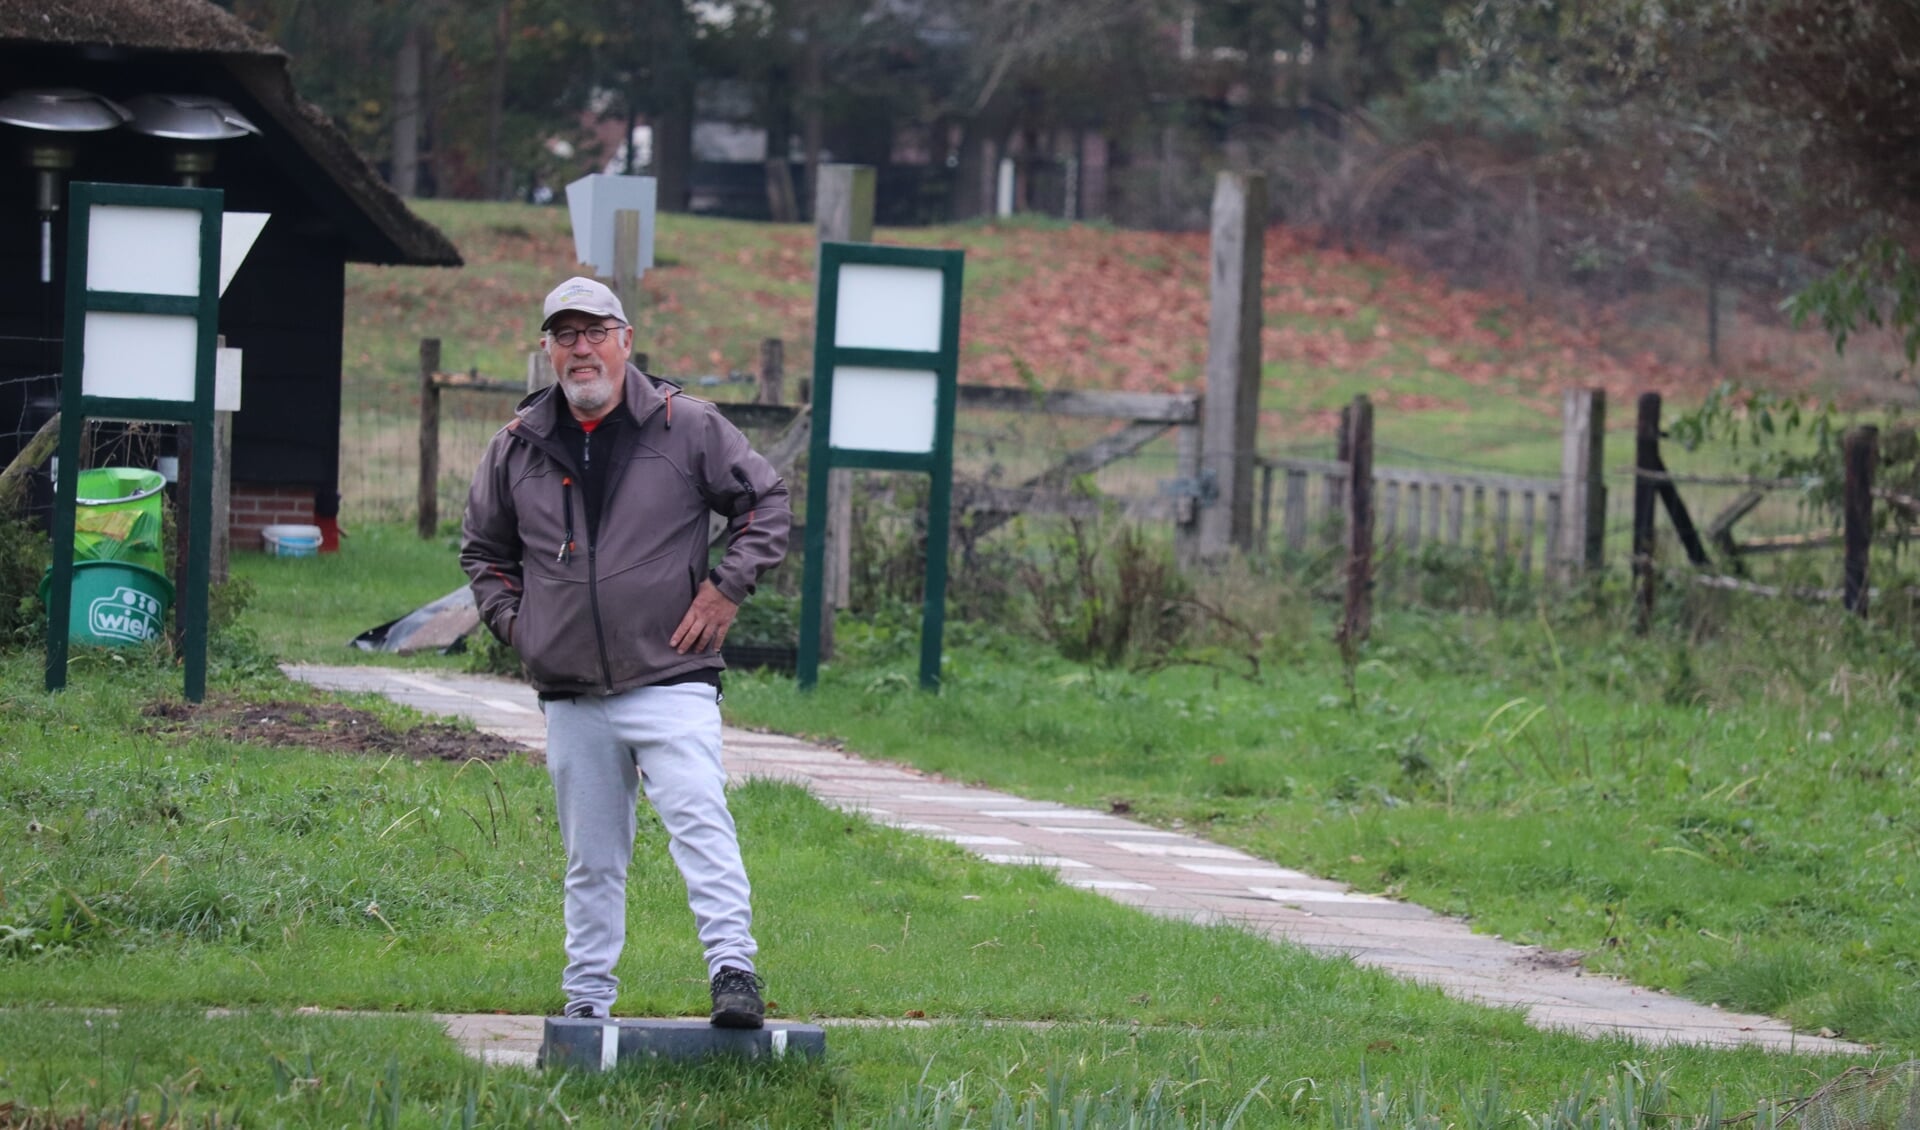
(188,117)
(62,110)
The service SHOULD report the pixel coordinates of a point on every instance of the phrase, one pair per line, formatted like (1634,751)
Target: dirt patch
(323,726)
(1553,959)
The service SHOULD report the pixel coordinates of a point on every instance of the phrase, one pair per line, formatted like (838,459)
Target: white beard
(588,396)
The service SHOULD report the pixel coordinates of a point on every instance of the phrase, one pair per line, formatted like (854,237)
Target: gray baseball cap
(584,295)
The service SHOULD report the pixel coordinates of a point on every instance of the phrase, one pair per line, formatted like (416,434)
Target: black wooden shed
(284,308)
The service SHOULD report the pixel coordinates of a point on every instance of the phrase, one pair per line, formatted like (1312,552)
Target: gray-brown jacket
(597,618)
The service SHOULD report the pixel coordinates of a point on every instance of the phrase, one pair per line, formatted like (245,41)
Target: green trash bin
(118,518)
(114,603)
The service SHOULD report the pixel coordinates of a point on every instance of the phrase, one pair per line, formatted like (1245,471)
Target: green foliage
(486,655)
(1877,286)
(1104,592)
(768,619)
(24,556)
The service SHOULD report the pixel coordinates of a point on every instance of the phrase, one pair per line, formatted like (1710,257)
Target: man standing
(586,539)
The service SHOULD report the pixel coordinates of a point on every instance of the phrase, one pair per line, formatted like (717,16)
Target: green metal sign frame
(77,407)
(823,456)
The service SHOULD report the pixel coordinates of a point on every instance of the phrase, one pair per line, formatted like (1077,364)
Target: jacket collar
(539,412)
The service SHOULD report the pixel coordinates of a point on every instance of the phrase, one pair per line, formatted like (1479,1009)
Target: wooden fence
(1726,566)
(979,506)
(1504,514)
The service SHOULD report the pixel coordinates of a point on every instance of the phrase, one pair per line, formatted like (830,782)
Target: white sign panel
(144,250)
(238,230)
(140,356)
(591,202)
(888,308)
(883,409)
(226,380)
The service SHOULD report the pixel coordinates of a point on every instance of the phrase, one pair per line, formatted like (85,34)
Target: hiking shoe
(583,1010)
(736,999)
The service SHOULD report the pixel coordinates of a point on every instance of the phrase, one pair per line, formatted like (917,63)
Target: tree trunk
(673,106)
(967,199)
(497,171)
(812,102)
(405,170)
(776,118)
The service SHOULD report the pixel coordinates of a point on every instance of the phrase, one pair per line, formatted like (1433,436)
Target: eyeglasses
(595,335)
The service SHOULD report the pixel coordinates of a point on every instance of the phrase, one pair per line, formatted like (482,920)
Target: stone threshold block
(597,1045)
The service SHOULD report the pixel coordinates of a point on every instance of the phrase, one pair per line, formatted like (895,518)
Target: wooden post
(1296,512)
(429,520)
(1231,426)
(1583,490)
(1646,458)
(843,213)
(1186,508)
(1861,451)
(773,371)
(844,209)
(1336,487)
(1266,506)
(1502,502)
(1356,619)
(540,372)
(220,549)
(626,261)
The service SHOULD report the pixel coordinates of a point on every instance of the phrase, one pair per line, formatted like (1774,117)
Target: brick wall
(254,508)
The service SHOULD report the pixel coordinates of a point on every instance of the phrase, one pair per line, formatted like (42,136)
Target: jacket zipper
(593,571)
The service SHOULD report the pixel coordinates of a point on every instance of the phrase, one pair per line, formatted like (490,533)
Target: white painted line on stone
(1106,884)
(508,707)
(430,688)
(778,1038)
(1051,813)
(1295,894)
(915,826)
(1243,872)
(1054,861)
(609,1046)
(1138,833)
(1183,851)
(762,753)
(980,841)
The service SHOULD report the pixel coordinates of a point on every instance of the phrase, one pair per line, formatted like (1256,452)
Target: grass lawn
(158,877)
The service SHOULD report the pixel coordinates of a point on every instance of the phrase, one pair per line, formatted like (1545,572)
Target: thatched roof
(319,154)
(157,25)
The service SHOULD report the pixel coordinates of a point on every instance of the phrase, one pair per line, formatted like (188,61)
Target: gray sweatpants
(600,750)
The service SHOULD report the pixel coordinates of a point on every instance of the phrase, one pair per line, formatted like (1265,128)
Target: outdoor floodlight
(62,110)
(194,119)
(56,110)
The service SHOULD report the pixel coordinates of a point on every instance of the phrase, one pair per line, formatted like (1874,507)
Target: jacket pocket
(641,606)
(554,631)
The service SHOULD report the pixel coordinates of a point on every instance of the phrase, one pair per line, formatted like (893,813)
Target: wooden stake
(1356,621)
(1646,457)
(429,508)
(1861,451)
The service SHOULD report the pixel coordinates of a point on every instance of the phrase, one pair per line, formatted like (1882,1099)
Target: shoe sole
(737,1020)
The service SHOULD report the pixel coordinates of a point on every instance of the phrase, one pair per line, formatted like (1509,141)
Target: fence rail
(1507,513)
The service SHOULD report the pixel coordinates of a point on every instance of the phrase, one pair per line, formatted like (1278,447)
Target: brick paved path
(1165,873)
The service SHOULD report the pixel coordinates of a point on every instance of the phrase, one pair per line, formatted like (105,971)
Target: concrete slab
(599,1045)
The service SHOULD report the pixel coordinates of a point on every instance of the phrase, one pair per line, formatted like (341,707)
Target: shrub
(24,556)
